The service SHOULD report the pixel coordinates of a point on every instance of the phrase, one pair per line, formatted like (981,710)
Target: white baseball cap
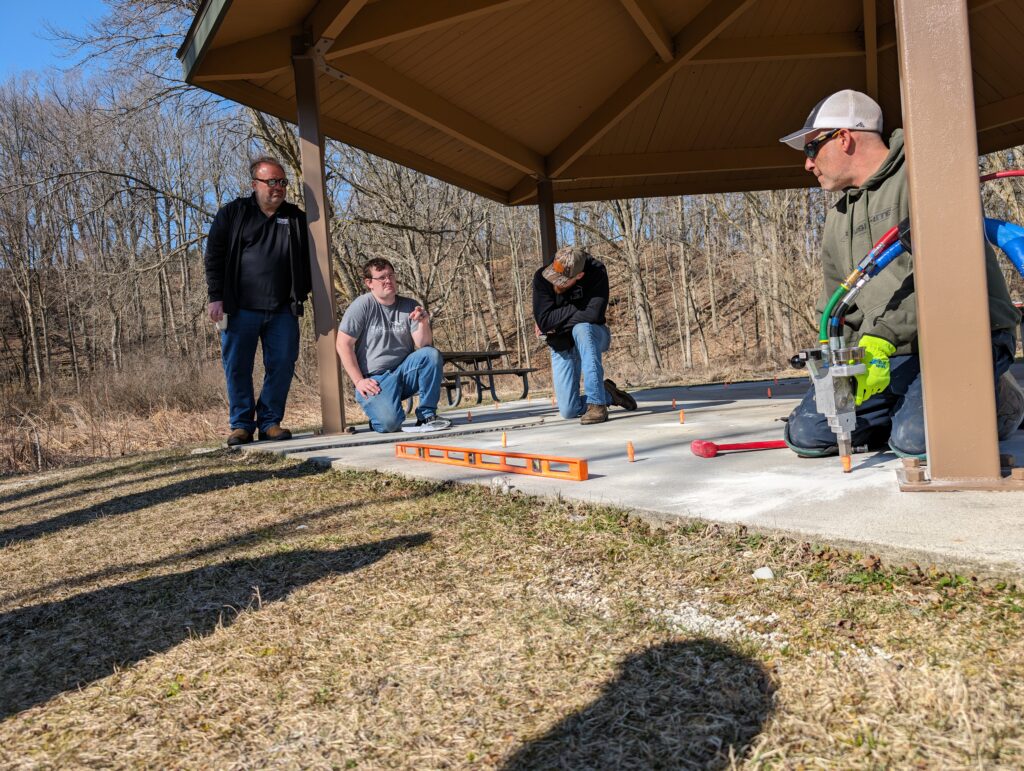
(844,109)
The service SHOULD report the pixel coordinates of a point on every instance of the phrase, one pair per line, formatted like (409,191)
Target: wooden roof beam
(871,49)
(685,162)
(1000,113)
(270,103)
(763,49)
(651,26)
(373,77)
(705,27)
(329,18)
(800,179)
(389,20)
(271,54)
(258,57)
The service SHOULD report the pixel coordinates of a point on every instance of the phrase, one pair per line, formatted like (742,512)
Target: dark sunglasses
(272,182)
(811,148)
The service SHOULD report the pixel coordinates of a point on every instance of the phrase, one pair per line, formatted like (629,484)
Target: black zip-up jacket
(585,303)
(224,253)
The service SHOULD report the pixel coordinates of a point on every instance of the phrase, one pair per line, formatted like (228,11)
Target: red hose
(1003,174)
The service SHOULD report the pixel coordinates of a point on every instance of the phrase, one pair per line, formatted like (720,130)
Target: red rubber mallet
(702,448)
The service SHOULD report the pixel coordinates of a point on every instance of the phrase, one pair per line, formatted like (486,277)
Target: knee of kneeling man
(802,432)
(565,413)
(908,438)
(431,354)
(392,425)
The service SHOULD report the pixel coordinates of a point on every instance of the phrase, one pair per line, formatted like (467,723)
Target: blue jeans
(591,340)
(419,374)
(278,335)
(894,417)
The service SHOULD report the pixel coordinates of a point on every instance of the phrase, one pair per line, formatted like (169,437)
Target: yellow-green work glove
(876,358)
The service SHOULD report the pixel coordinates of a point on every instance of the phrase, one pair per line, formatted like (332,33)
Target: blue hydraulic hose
(1009,238)
(885,258)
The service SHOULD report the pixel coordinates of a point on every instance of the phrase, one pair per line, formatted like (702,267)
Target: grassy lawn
(227,611)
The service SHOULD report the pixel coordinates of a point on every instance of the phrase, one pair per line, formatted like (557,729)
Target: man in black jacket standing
(569,300)
(257,276)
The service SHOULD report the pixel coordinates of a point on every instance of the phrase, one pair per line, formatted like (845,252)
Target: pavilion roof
(607,98)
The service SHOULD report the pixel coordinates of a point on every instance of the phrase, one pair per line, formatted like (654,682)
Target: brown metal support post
(546,209)
(311,145)
(949,259)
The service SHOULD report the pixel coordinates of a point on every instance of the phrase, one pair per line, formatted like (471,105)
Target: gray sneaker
(434,423)
(619,397)
(1009,406)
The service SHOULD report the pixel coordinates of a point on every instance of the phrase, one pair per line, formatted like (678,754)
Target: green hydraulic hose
(823,330)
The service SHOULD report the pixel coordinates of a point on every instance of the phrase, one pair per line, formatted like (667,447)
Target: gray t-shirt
(383,332)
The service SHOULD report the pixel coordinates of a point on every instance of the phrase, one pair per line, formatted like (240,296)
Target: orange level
(571,469)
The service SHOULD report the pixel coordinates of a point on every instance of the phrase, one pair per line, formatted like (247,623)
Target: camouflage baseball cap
(568,264)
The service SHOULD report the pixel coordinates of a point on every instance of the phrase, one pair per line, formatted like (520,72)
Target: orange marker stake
(673,404)
(769,392)
(504,439)
(552,401)
(469,416)
(629,451)
(682,416)
(776,380)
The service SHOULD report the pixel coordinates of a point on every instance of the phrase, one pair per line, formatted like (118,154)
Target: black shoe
(239,436)
(619,397)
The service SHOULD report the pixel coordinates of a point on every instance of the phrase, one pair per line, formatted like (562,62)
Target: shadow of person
(126,504)
(686,705)
(58,646)
(146,465)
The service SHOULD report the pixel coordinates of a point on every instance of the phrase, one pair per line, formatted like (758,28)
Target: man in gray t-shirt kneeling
(384,342)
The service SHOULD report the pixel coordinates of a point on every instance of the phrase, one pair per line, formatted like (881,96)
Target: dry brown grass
(226,611)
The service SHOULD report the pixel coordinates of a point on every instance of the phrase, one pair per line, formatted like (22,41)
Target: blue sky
(25,47)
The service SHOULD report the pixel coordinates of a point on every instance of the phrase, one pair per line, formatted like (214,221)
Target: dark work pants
(894,417)
(278,335)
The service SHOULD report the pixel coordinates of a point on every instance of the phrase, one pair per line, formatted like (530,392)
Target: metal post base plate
(913,478)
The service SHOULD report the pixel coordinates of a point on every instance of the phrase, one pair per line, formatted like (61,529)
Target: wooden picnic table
(478,366)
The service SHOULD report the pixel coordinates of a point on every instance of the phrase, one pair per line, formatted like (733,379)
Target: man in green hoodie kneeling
(844,148)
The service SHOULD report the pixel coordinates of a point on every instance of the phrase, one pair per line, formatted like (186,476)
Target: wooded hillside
(112,173)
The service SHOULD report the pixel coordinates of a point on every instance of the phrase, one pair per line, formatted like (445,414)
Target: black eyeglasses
(811,148)
(386,277)
(282,182)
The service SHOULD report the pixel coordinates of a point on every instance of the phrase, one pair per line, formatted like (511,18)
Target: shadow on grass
(74,492)
(126,504)
(693,704)
(58,646)
(275,531)
(70,477)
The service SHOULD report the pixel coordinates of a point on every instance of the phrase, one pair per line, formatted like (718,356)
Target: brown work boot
(596,413)
(274,433)
(239,436)
(619,397)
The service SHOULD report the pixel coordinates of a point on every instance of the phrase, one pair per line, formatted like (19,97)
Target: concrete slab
(769,490)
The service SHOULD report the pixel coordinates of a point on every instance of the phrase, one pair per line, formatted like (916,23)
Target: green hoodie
(886,307)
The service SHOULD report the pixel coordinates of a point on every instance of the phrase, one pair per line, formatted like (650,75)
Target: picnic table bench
(480,367)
